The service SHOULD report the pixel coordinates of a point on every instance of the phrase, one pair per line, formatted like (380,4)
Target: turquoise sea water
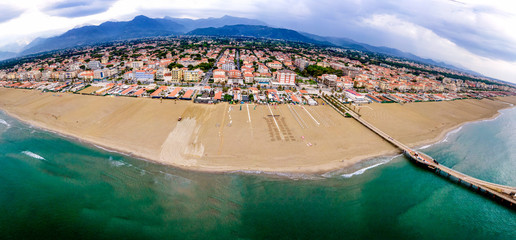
(52,187)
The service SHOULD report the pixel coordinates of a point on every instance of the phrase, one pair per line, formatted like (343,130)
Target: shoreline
(220,170)
(317,168)
(288,174)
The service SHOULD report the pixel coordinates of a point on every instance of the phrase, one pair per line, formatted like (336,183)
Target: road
(208,74)
(238,59)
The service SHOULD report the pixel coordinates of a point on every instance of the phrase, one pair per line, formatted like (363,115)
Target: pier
(500,193)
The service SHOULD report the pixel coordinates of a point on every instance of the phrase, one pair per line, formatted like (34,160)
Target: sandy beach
(225,137)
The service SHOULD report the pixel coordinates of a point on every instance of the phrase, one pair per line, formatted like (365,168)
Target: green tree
(174,65)
(204,66)
(227,97)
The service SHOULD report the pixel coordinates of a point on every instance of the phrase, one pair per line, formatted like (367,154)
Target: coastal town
(212,70)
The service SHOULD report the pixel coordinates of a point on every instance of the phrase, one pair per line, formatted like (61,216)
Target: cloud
(78,8)
(480,28)
(8,12)
(426,43)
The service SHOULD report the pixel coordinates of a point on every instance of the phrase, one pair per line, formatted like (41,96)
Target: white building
(228,66)
(285,77)
(355,97)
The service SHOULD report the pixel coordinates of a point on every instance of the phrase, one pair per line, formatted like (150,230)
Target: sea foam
(3,122)
(363,170)
(426,146)
(33,155)
(383,160)
(451,133)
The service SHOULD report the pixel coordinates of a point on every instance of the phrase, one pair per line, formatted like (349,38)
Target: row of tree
(316,71)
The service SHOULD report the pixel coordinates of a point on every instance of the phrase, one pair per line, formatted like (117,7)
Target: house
(275,65)
(160,74)
(86,75)
(329,80)
(136,64)
(167,77)
(219,78)
(355,97)
(248,77)
(219,72)
(192,75)
(143,75)
(99,74)
(94,65)
(228,66)
(285,77)
(234,74)
(177,75)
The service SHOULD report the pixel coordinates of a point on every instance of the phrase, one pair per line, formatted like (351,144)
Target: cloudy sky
(474,34)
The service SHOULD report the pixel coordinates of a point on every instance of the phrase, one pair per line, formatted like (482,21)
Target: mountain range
(228,26)
(257,31)
(140,27)
(7,55)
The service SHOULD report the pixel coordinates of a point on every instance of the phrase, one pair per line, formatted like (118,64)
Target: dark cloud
(7,13)
(475,40)
(78,8)
(342,19)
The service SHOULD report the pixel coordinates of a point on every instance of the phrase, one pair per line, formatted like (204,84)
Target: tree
(174,65)
(205,66)
(227,97)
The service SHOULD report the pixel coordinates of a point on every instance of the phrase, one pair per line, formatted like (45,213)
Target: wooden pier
(500,193)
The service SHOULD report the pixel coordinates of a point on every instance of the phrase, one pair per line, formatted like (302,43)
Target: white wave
(117,163)
(3,122)
(105,149)
(451,133)
(33,155)
(176,178)
(426,146)
(363,170)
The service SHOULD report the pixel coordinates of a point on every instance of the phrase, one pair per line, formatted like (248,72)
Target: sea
(54,187)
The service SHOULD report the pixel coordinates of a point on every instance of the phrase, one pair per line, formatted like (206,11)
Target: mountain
(191,24)
(351,44)
(241,30)
(6,55)
(139,27)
